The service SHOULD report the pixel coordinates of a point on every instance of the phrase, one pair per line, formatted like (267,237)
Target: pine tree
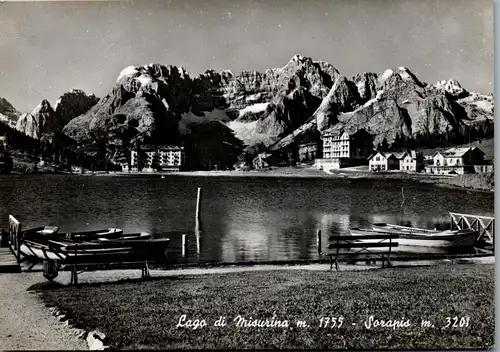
(396,145)
(384,146)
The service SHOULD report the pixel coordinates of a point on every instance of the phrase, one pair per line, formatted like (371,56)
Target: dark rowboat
(105,251)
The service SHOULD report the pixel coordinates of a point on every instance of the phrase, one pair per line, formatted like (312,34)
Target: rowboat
(442,239)
(56,250)
(42,230)
(128,237)
(89,235)
(132,248)
(46,233)
(398,229)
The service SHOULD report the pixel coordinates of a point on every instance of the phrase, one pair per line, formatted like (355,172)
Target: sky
(49,48)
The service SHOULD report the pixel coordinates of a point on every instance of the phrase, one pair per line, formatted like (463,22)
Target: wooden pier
(8,261)
(484,224)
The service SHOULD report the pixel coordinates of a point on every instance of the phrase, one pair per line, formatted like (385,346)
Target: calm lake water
(243,218)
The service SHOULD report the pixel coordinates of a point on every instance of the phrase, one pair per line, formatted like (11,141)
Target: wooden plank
(467,222)
(363,245)
(381,236)
(454,222)
(8,262)
(475,224)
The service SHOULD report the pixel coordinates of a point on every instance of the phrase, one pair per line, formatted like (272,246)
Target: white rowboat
(441,239)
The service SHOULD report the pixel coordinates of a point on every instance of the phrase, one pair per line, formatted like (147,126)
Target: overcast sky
(48,48)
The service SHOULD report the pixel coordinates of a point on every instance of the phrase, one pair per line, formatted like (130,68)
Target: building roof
(171,147)
(458,152)
(384,154)
(336,130)
(150,148)
(455,152)
(400,155)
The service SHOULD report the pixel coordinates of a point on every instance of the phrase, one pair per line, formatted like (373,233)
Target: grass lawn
(136,314)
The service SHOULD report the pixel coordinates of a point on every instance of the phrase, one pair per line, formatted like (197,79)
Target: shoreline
(291,172)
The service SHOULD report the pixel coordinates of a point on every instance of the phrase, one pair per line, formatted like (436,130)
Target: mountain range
(267,111)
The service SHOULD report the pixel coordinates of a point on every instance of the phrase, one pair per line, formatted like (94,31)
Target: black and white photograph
(247,175)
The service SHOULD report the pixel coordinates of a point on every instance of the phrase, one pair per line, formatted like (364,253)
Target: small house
(382,161)
(410,161)
(456,160)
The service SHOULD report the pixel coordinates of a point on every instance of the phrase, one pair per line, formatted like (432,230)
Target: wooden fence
(484,224)
(15,237)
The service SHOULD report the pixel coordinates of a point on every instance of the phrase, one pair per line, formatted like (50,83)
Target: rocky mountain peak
(41,120)
(8,114)
(408,76)
(273,107)
(452,87)
(366,84)
(401,73)
(299,59)
(72,104)
(44,106)
(152,71)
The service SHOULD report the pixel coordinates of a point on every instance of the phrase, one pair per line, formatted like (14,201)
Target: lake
(243,218)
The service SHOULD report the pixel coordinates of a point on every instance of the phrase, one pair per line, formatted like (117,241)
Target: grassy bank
(483,182)
(145,314)
(303,171)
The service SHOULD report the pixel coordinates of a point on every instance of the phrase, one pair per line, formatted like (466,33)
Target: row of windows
(448,163)
(328,155)
(336,148)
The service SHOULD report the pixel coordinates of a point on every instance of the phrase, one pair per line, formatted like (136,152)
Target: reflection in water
(247,241)
(243,218)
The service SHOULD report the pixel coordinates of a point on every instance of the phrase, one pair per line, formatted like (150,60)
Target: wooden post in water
(184,245)
(318,242)
(198,245)
(198,204)
(198,226)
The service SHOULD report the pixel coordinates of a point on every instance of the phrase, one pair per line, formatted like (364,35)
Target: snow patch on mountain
(385,75)
(480,101)
(144,79)
(452,87)
(254,109)
(128,71)
(404,73)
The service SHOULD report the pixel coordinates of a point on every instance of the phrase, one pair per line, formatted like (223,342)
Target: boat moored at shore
(443,239)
